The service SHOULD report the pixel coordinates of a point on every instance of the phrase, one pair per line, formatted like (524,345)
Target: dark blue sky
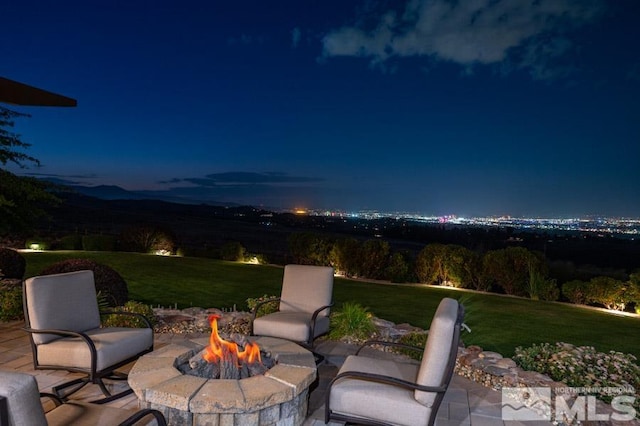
(470,107)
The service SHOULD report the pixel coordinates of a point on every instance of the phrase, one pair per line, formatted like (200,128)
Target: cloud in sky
(246,178)
(296,34)
(525,34)
(275,189)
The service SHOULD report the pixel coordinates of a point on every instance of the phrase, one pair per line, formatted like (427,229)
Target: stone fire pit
(279,397)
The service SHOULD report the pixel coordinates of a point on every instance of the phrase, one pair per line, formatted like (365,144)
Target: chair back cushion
(23,399)
(61,301)
(437,366)
(306,288)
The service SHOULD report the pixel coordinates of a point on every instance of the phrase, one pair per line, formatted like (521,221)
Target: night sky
(479,107)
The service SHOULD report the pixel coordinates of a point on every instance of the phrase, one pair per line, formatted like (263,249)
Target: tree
(345,256)
(462,267)
(147,239)
(22,199)
(609,292)
(374,257)
(511,268)
(308,248)
(430,263)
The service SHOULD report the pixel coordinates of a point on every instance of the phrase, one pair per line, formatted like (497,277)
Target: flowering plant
(582,366)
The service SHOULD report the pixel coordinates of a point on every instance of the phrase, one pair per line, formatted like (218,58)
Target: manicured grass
(498,323)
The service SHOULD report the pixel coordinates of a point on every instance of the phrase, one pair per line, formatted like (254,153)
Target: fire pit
(277,397)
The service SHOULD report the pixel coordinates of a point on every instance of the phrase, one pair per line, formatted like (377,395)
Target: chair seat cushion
(113,344)
(289,325)
(81,413)
(373,400)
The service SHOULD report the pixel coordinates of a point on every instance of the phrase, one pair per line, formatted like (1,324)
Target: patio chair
(381,391)
(63,321)
(20,405)
(303,312)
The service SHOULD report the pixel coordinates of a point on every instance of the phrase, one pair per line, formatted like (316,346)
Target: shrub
(575,291)
(398,269)
(11,304)
(581,366)
(70,242)
(352,321)
(417,339)
(108,282)
(609,292)
(147,239)
(541,288)
(132,306)
(98,243)
(37,244)
(233,251)
(267,308)
(12,264)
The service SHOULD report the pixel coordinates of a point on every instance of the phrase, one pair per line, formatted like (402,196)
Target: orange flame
(220,349)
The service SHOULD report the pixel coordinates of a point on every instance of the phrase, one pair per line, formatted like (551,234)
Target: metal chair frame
(93,375)
(439,390)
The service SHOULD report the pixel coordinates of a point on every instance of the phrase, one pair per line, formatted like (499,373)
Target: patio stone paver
(466,402)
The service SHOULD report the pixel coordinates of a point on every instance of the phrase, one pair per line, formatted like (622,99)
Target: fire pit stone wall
(279,397)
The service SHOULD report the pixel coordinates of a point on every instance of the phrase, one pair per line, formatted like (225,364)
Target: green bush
(70,242)
(233,251)
(98,243)
(540,287)
(11,304)
(352,321)
(37,244)
(267,308)
(132,306)
(576,291)
(147,239)
(12,264)
(609,292)
(108,282)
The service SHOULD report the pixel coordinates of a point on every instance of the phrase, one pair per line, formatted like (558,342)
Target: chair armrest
(312,325)
(68,333)
(379,378)
(254,313)
(62,333)
(131,314)
(317,311)
(387,343)
(139,415)
(264,302)
(393,381)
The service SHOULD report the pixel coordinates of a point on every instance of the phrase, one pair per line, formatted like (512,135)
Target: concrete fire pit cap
(156,380)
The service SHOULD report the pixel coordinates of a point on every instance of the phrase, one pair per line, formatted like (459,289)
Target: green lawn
(498,323)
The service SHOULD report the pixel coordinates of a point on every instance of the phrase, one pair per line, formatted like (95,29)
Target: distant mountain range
(114,192)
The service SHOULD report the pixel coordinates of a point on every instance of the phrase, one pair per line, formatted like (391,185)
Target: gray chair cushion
(372,400)
(437,350)
(62,301)
(113,345)
(289,325)
(23,399)
(306,288)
